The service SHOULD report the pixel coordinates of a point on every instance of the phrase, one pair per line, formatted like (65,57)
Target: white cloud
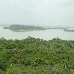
(56,12)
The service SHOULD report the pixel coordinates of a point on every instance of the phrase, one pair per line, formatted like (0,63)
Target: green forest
(36,56)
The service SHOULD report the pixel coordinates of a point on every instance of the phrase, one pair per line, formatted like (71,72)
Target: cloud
(37,11)
(67,3)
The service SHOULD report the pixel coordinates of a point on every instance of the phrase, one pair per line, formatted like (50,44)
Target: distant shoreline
(24,28)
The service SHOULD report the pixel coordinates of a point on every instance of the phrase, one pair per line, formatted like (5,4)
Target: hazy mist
(37,12)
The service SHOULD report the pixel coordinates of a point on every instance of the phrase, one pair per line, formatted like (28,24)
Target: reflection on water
(43,34)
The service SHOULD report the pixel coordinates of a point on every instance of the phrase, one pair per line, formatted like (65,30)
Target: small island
(69,29)
(23,28)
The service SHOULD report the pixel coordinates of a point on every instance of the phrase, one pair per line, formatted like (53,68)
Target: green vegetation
(36,56)
(21,28)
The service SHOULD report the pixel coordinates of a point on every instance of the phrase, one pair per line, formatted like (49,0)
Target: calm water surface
(43,34)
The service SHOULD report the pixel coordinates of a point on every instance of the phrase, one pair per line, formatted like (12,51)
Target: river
(42,34)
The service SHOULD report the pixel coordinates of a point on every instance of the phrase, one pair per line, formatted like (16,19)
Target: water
(42,34)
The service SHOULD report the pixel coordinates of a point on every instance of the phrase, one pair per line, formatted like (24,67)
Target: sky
(37,12)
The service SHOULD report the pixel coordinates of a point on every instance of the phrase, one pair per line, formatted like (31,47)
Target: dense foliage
(36,56)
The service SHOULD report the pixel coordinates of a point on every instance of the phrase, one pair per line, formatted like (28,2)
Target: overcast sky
(37,12)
